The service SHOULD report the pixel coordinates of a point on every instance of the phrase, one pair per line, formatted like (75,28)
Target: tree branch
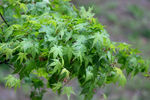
(4,20)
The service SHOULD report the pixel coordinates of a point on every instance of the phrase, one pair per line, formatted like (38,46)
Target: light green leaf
(120,76)
(40,73)
(47,29)
(113,47)
(57,66)
(105,97)
(11,81)
(109,55)
(98,38)
(22,56)
(68,91)
(8,52)
(88,59)
(26,44)
(79,50)
(56,51)
(86,14)
(57,86)
(69,52)
(24,7)
(62,32)
(89,74)
(123,46)
(65,71)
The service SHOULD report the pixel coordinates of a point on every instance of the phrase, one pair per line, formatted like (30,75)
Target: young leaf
(66,72)
(86,14)
(68,91)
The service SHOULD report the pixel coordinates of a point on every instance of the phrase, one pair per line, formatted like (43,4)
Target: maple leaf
(56,51)
(53,40)
(46,29)
(21,57)
(65,71)
(26,44)
(101,38)
(86,14)
(57,66)
(79,50)
(11,81)
(68,91)
(68,50)
(57,86)
(120,76)
(9,31)
(8,52)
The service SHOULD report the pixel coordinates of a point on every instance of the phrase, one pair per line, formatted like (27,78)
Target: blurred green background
(126,21)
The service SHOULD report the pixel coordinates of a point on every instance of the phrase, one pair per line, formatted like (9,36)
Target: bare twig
(4,20)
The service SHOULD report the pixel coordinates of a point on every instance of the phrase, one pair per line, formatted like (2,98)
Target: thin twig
(4,20)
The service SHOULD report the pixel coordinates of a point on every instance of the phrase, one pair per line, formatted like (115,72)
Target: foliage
(49,43)
(12,82)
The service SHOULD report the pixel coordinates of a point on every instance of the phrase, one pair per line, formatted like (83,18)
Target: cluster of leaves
(49,43)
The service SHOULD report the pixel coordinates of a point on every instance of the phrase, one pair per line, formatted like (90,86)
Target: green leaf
(109,55)
(8,52)
(46,29)
(11,81)
(1,10)
(88,59)
(62,32)
(68,91)
(89,74)
(24,7)
(57,86)
(86,14)
(26,44)
(69,52)
(9,32)
(105,97)
(120,76)
(123,46)
(56,51)
(21,57)
(49,42)
(57,66)
(40,73)
(66,72)
(79,51)
(99,38)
